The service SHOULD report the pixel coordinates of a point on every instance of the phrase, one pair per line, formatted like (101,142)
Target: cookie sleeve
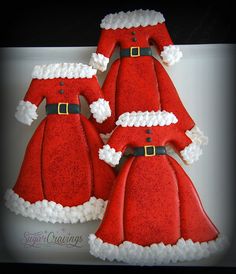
(26,109)
(106,45)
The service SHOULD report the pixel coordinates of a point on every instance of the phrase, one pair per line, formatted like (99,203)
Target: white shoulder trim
(26,112)
(171,55)
(109,155)
(63,70)
(49,211)
(146,119)
(100,110)
(155,254)
(191,153)
(131,19)
(197,136)
(99,61)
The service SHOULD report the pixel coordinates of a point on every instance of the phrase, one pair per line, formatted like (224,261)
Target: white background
(203,81)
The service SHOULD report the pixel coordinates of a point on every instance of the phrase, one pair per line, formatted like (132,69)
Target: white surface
(203,81)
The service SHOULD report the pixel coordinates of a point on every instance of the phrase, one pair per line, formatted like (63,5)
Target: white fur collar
(146,119)
(63,70)
(132,19)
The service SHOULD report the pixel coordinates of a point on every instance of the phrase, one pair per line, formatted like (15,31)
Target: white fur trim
(100,110)
(26,112)
(99,61)
(197,136)
(49,211)
(191,153)
(63,70)
(171,55)
(146,119)
(155,254)
(109,155)
(132,19)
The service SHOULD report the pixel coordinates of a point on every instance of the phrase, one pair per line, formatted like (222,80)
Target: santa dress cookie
(61,178)
(154,214)
(137,81)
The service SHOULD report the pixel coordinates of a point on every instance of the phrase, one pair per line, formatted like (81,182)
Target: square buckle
(66,108)
(132,54)
(146,151)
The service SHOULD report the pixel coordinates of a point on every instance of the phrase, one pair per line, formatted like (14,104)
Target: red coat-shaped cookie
(154,214)
(137,81)
(62,178)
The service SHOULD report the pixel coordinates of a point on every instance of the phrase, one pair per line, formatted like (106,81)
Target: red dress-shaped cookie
(137,81)
(61,178)
(154,214)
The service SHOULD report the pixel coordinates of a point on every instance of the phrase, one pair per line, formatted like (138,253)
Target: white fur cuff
(26,112)
(99,61)
(49,211)
(197,136)
(191,153)
(155,254)
(171,55)
(109,155)
(100,110)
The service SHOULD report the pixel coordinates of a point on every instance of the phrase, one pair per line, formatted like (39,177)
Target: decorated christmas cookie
(61,178)
(137,81)
(154,214)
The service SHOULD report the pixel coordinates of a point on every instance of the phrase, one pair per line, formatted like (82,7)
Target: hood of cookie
(63,70)
(132,19)
(146,119)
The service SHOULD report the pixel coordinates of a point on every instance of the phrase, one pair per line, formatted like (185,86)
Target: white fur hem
(26,112)
(63,70)
(191,153)
(131,19)
(134,254)
(171,55)
(100,110)
(99,61)
(109,155)
(146,119)
(49,211)
(197,136)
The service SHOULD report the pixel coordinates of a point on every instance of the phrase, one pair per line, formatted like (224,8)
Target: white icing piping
(26,112)
(109,155)
(131,19)
(63,70)
(49,211)
(191,153)
(99,61)
(100,110)
(146,119)
(171,55)
(134,254)
(197,136)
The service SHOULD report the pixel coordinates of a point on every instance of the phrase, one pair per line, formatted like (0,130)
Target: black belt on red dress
(149,151)
(63,109)
(135,52)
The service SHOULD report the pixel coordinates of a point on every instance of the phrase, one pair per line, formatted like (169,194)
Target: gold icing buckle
(149,154)
(59,108)
(134,54)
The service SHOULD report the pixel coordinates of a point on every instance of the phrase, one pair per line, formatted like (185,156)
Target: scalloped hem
(156,254)
(49,211)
